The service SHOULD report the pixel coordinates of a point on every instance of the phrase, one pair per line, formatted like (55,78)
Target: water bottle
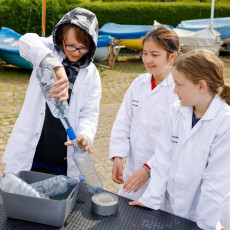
(56,185)
(83,161)
(13,184)
(47,77)
(85,164)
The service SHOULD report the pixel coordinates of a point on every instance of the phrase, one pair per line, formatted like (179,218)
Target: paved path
(101,146)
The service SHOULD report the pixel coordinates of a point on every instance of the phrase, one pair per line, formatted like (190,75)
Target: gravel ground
(13,84)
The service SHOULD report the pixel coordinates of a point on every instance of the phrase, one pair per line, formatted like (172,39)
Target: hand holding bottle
(47,80)
(61,87)
(83,142)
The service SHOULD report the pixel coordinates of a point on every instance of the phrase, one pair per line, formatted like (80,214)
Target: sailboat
(9,50)
(203,33)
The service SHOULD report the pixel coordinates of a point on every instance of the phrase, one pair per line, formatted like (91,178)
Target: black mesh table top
(127,218)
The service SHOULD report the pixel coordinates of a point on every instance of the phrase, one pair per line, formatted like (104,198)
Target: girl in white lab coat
(143,113)
(37,140)
(190,171)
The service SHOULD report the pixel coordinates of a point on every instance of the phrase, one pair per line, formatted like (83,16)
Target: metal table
(127,218)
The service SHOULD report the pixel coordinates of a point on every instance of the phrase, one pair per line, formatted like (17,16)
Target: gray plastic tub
(53,211)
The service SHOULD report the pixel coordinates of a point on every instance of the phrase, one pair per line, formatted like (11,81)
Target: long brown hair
(164,37)
(201,64)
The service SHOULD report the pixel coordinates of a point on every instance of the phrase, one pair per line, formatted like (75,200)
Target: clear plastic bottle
(47,77)
(85,164)
(84,161)
(56,185)
(13,184)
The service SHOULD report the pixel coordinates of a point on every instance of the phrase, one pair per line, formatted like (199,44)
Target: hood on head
(87,21)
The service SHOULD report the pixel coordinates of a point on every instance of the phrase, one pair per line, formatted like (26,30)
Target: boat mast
(212,13)
(43,18)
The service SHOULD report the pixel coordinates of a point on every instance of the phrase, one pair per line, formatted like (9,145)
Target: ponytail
(224,92)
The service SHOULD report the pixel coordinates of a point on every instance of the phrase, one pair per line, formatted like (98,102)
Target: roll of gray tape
(104,204)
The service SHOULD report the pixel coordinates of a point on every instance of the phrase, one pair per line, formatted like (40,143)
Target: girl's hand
(83,142)
(61,86)
(117,172)
(133,203)
(135,182)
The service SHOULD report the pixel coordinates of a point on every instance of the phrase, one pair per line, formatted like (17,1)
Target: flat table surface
(127,218)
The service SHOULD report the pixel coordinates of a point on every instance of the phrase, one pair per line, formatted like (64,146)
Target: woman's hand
(83,142)
(135,182)
(133,203)
(117,172)
(61,87)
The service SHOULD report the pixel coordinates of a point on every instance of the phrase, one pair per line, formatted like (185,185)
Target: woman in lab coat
(190,170)
(37,140)
(142,113)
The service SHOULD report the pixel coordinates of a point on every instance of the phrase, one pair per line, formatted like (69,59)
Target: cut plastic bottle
(56,185)
(85,164)
(13,184)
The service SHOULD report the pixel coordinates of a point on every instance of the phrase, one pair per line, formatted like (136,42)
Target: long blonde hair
(201,64)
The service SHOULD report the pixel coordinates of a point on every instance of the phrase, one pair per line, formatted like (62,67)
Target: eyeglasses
(73,49)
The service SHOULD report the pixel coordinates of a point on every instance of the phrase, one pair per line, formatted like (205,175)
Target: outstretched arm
(39,52)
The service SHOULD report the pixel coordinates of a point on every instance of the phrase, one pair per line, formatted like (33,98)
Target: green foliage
(139,0)
(144,13)
(192,1)
(135,13)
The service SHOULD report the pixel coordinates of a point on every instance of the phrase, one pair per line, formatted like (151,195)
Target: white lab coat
(138,123)
(83,109)
(190,168)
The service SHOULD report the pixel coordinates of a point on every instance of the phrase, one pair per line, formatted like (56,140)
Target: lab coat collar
(187,121)
(209,114)
(165,83)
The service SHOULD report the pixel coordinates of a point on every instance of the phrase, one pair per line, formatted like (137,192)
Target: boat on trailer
(9,50)
(129,36)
